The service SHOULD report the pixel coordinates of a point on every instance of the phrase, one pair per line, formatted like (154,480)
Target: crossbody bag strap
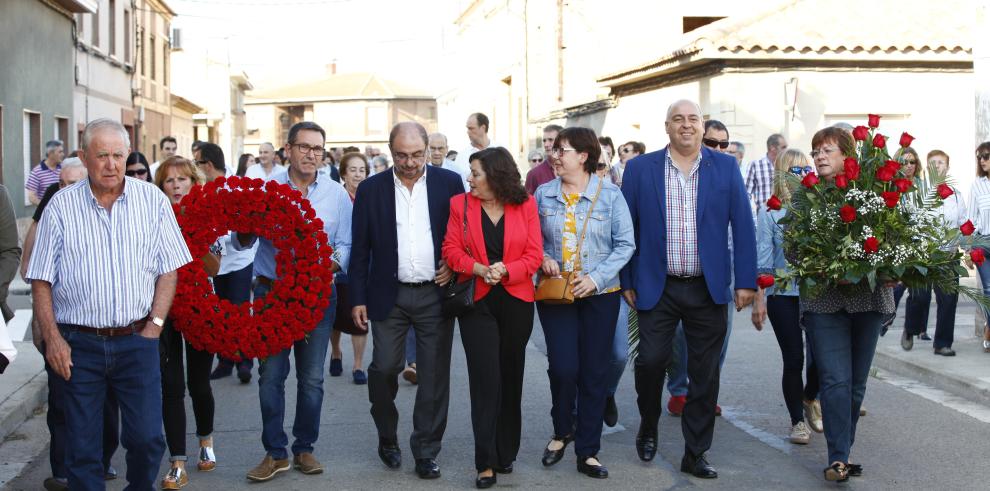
(587,219)
(464,231)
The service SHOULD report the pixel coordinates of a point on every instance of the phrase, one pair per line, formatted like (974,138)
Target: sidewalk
(966,375)
(23,388)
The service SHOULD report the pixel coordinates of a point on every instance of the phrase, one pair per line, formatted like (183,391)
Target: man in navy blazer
(684,200)
(396,275)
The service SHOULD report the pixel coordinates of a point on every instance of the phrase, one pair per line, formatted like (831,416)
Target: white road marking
(971,409)
(766,437)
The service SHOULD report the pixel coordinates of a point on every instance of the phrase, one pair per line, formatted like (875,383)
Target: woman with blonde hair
(176,177)
(783,307)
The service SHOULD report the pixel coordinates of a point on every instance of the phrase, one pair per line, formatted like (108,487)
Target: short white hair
(102,124)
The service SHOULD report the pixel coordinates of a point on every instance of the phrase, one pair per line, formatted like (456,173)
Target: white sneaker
(813,415)
(800,434)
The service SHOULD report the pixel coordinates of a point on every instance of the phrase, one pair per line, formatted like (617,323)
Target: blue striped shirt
(103,265)
(332,204)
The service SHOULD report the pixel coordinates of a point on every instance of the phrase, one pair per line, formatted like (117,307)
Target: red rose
(873,120)
(871,245)
(841,181)
(885,174)
(847,213)
(773,203)
(892,165)
(977,256)
(906,139)
(809,181)
(944,190)
(967,228)
(902,185)
(861,133)
(764,280)
(879,141)
(851,168)
(891,198)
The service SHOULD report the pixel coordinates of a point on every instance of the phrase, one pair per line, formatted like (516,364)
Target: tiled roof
(896,30)
(339,87)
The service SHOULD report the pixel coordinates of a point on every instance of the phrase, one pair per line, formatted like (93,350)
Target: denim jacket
(770,248)
(608,243)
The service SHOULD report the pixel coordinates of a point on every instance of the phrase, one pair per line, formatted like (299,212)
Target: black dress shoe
(698,467)
(390,455)
(503,469)
(945,351)
(646,444)
(551,457)
(925,337)
(611,412)
(485,482)
(427,468)
(596,471)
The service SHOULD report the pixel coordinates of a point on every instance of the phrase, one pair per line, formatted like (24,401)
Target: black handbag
(458,297)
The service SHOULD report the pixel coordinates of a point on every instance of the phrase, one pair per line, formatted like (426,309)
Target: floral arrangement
(871,225)
(298,298)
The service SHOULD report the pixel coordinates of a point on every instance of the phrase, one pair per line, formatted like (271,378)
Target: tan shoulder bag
(556,290)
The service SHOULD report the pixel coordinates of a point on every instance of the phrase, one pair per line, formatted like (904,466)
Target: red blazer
(522,250)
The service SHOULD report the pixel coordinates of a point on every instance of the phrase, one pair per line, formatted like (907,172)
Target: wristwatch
(158,321)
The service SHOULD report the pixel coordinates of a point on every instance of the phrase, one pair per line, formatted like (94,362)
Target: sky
(292,41)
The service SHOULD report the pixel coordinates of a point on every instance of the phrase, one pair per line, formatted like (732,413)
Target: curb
(958,386)
(21,402)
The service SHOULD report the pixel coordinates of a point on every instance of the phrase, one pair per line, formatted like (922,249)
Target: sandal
(837,472)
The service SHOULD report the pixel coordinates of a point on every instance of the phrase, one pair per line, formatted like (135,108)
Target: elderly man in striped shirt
(103,277)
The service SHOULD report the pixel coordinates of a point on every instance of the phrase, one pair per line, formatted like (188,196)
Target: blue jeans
(620,348)
(843,345)
(235,287)
(310,356)
(984,272)
(129,367)
(579,341)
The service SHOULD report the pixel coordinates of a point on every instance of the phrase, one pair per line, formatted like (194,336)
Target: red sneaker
(676,405)
(718,410)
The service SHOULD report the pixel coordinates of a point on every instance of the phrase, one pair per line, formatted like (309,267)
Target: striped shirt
(103,265)
(332,204)
(682,225)
(41,177)
(979,205)
(759,182)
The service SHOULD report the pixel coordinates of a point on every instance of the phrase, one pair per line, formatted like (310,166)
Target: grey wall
(36,56)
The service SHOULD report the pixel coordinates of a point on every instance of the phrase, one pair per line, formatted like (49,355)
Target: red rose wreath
(298,298)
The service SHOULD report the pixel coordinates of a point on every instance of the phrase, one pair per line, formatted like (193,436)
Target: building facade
(355,109)
(36,85)
(151,87)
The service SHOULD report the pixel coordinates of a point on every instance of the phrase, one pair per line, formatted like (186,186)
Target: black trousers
(418,306)
(686,301)
(916,315)
(175,378)
(785,318)
(494,335)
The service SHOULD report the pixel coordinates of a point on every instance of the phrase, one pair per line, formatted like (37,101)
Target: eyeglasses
(417,157)
(557,152)
(983,156)
(304,148)
(602,166)
(909,161)
(800,171)
(712,143)
(138,172)
(823,152)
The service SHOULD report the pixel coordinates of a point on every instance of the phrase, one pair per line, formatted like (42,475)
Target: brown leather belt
(110,332)
(265,281)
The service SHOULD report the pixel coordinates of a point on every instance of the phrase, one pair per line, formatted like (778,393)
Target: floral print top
(569,239)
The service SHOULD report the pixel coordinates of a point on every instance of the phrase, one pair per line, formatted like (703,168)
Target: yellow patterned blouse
(569,239)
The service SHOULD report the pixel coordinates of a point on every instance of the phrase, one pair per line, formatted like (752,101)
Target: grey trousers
(418,306)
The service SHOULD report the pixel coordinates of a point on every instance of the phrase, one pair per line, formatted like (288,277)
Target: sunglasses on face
(602,166)
(800,171)
(709,142)
(983,156)
(138,172)
(909,161)
(536,161)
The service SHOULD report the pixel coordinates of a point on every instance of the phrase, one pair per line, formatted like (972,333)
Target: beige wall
(752,107)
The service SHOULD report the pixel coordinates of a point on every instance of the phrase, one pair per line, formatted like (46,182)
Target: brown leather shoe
(267,469)
(307,464)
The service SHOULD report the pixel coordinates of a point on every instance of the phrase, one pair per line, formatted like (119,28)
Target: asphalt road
(907,441)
